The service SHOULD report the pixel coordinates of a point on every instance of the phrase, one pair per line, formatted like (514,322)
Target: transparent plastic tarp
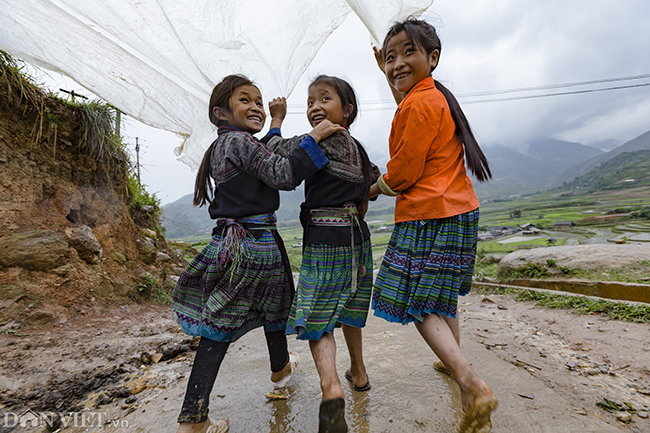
(158,60)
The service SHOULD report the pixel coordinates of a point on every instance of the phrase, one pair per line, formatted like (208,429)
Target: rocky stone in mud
(170,351)
(147,250)
(37,250)
(40,317)
(84,241)
(624,416)
(163,257)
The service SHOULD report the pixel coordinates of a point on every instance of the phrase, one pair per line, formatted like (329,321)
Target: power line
(514,98)
(521,89)
(575,92)
(554,86)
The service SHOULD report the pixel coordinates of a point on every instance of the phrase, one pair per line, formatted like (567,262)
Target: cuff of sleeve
(274,131)
(314,152)
(384,188)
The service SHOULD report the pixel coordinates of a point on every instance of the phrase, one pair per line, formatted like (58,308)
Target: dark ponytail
(349,98)
(476,159)
(220,98)
(423,35)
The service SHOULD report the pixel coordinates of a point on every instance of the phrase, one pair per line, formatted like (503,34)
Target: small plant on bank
(148,284)
(550,263)
(531,270)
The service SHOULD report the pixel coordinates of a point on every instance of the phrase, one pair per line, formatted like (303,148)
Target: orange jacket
(427,165)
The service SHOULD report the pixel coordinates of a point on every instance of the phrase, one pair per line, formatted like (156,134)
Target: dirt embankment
(72,242)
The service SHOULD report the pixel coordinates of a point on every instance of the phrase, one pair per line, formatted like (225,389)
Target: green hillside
(535,168)
(639,143)
(629,169)
(181,219)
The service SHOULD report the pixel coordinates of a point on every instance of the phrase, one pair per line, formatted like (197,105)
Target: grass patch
(531,270)
(576,304)
(634,273)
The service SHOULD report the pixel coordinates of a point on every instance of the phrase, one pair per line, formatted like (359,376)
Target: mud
(549,368)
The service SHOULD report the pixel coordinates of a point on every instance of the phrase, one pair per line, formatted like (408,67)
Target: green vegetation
(97,119)
(576,304)
(531,270)
(150,289)
(624,170)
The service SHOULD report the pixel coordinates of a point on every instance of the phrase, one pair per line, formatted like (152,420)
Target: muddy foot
(477,419)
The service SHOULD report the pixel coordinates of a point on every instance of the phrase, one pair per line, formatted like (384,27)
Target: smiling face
(246,110)
(324,103)
(407,65)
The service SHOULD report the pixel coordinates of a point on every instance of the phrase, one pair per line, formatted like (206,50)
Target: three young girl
(241,280)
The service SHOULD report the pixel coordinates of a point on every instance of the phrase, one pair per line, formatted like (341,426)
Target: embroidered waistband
(344,216)
(233,245)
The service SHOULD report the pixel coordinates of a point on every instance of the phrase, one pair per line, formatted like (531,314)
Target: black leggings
(207,361)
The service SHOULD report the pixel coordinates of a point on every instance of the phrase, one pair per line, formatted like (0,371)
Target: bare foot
(281,378)
(440,366)
(478,403)
(359,376)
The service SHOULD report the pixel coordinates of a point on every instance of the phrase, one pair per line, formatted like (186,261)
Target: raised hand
(379,57)
(278,111)
(324,130)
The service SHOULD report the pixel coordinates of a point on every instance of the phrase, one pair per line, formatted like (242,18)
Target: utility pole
(118,122)
(137,157)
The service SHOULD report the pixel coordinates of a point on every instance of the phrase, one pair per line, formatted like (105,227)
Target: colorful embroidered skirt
(224,304)
(427,264)
(324,295)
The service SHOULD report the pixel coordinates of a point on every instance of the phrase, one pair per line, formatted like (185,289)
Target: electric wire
(517,90)
(514,98)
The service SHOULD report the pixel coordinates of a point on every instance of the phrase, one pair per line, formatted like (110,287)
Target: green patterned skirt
(324,298)
(224,302)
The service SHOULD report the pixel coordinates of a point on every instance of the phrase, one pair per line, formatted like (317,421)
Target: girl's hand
(374,191)
(362,210)
(278,110)
(379,57)
(324,130)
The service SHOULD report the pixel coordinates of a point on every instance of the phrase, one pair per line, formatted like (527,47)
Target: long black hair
(423,35)
(220,98)
(349,101)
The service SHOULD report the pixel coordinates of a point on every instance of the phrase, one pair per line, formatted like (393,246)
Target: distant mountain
(534,168)
(559,154)
(628,169)
(640,143)
(513,173)
(181,219)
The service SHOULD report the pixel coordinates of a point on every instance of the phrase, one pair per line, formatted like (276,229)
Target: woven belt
(344,216)
(233,245)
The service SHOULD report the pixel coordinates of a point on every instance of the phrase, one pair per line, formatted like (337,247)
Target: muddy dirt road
(549,368)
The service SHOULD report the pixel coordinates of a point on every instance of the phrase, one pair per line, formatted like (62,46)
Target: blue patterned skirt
(427,264)
(324,297)
(224,302)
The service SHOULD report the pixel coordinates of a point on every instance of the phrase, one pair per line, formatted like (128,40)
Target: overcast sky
(487,46)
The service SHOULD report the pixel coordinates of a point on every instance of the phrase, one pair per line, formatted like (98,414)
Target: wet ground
(549,368)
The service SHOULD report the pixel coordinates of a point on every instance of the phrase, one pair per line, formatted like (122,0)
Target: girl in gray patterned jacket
(241,280)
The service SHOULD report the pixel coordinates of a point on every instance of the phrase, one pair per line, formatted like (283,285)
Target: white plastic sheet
(158,60)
